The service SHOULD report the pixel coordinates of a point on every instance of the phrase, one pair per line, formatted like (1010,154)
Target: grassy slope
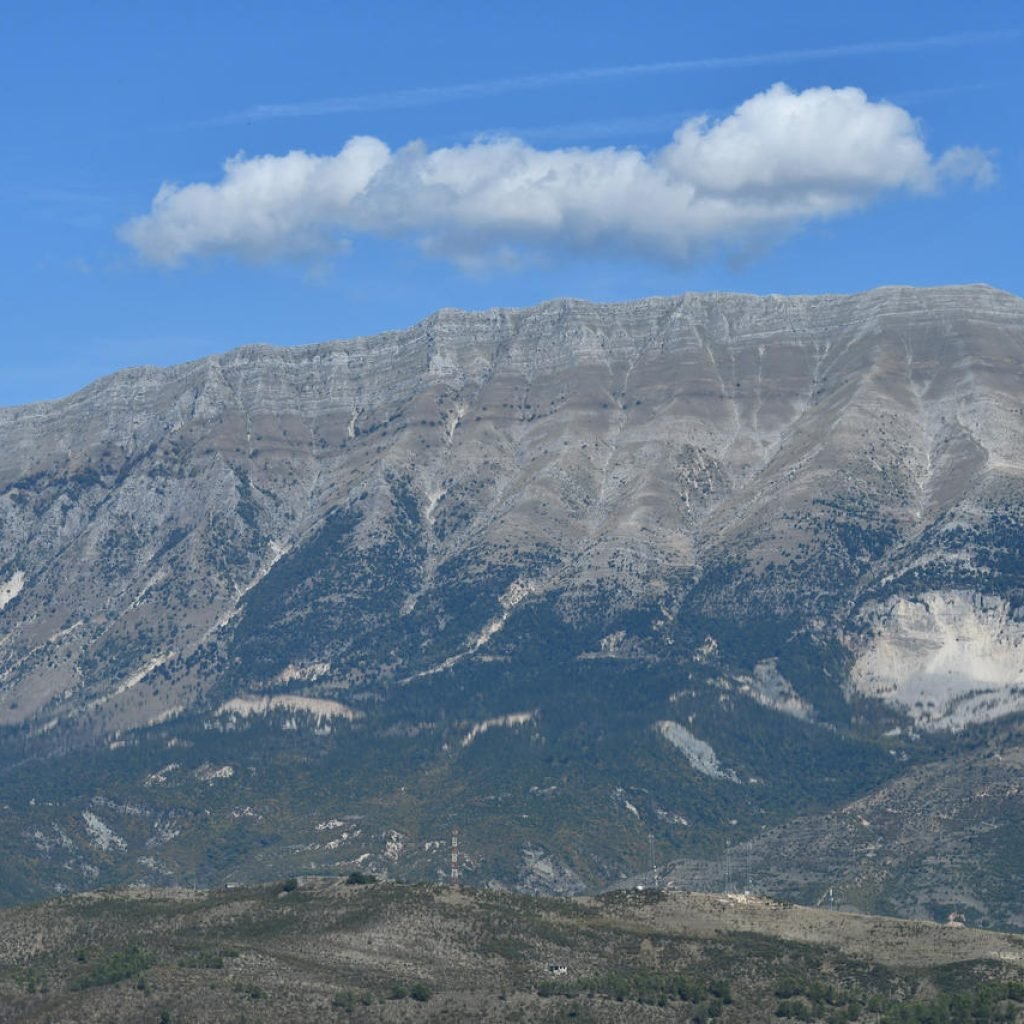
(328,951)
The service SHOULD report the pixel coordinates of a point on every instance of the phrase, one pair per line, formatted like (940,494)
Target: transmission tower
(455,855)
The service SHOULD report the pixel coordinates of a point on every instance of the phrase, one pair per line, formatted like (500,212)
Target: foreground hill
(327,950)
(691,568)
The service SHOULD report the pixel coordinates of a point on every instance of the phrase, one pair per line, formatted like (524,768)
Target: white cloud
(961,163)
(779,161)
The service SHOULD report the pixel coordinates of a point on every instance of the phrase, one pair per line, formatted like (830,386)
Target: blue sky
(504,154)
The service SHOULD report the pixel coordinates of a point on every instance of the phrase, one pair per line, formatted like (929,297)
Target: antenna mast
(455,855)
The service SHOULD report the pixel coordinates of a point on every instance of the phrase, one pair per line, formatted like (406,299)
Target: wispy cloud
(401,99)
(53,195)
(781,160)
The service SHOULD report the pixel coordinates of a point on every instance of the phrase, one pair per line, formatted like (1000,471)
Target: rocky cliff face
(807,509)
(801,451)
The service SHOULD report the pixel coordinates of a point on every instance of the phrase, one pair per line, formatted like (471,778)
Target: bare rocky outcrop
(950,658)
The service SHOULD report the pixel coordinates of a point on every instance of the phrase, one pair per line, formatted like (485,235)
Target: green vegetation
(111,968)
(344,1001)
(360,878)
(986,1003)
(486,955)
(560,783)
(644,987)
(204,959)
(420,992)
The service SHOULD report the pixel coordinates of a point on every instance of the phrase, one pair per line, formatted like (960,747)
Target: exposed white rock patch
(672,817)
(701,756)
(453,420)
(303,673)
(163,833)
(620,799)
(207,773)
(166,715)
(707,650)
(394,844)
(59,635)
(543,874)
(276,550)
(137,677)
(948,658)
(158,577)
(154,865)
(322,710)
(516,593)
(500,721)
(770,689)
(158,778)
(350,830)
(611,643)
(11,589)
(327,826)
(433,499)
(49,842)
(513,596)
(101,834)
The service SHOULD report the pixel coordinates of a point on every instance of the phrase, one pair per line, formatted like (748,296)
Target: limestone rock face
(847,467)
(948,657)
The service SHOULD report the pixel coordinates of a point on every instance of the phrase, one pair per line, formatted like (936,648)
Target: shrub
(113,968)
(344,1001)
(359,878)
(420,992)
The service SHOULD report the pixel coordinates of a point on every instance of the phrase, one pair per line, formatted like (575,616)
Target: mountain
(571,577)
(314,949)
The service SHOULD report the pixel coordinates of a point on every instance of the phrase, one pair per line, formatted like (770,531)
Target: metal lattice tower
(455,855)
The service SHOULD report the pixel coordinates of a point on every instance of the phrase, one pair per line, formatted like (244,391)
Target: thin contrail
(430,95)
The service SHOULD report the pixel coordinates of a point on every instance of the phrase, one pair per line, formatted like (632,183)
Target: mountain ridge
(650,556)
(134,373)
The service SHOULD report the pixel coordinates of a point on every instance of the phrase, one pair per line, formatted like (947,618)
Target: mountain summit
(682,561)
